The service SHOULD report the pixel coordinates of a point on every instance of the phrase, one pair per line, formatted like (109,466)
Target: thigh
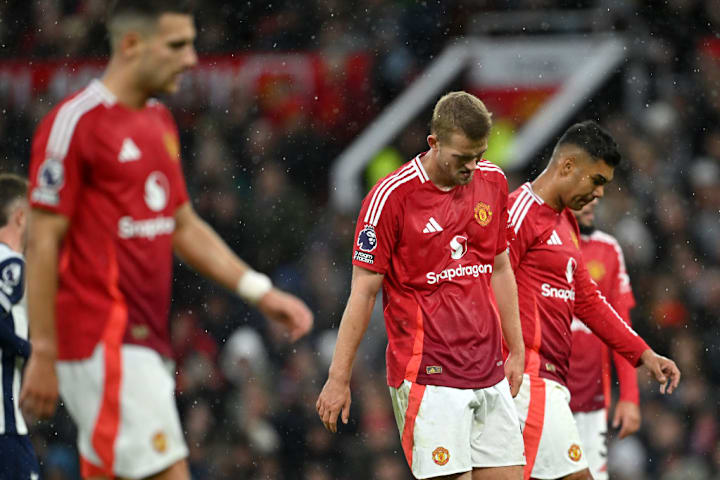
(495,417)
(592,427)
(434,424)
(128,425)
(552,443)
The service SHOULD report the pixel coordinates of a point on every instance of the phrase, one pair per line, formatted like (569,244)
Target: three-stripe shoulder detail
(524,201)
(485,166)
(412,170)
(67,118)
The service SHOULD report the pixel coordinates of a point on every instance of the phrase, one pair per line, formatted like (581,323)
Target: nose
(471,165)
(191,58)
(599,191)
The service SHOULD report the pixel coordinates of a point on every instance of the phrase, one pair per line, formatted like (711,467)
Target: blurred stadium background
(280,141)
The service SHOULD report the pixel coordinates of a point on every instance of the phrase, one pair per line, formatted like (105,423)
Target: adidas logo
(432,226)
(129,152)
(554,239)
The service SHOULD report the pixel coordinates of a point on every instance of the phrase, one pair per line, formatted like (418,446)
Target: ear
(20,216)
(432,142)
(567,165)
(130,44)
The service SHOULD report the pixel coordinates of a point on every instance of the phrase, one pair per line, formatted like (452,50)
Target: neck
(120,80)
(545,187)
(10,237)
(430,163)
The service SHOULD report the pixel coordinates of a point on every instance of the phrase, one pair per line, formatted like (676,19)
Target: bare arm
(196,243)
(335,395)
(46,231)
(505,290)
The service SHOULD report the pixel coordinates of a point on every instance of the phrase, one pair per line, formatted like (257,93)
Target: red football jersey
(589,375)
(115,173)
(553,284)
(437,250)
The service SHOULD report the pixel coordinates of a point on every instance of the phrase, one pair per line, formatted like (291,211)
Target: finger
(333,419)
(346,412)
(674,378)
(624,430)
(616,418)
(663,386)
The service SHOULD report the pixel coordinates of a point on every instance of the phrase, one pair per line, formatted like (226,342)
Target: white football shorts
(122,400)
(552,443)
(446,430)
(592,427)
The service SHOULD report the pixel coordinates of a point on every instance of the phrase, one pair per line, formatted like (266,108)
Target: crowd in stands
(247,396)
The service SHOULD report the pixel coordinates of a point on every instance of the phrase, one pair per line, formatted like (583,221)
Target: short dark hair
(148,8)
(12,188)
(594,139)
(140,12)
(460,112)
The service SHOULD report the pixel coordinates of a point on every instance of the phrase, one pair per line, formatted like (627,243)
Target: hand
(288,310)
(334,398)
(627,417)
(39,394)
(663,369)
(514,368)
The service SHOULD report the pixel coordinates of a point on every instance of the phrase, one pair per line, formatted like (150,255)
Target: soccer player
(553,285)
(17,461)
(433,236)
(109,208)
(588,377)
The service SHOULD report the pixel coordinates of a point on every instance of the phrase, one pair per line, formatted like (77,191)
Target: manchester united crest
(441,456)
(483,214)
(159,442)
(172,145)
(575,452)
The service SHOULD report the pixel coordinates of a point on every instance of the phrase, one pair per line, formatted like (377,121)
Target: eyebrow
(480,154)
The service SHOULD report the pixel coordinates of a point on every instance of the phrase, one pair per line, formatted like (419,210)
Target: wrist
(43,349)
(252,286)
(338,376)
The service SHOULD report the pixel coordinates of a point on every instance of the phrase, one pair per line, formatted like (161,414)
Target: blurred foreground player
(17,458)
(109,208)
(433,236)
(553,285)
(589,374)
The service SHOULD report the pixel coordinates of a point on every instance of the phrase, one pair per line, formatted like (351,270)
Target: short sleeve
(376,231)
(12,282)
(520,237)
(502,242)
(622,297)
(56,164)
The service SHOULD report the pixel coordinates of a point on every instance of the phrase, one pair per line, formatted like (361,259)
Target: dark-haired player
(553,286)
(17,460)
(109,209)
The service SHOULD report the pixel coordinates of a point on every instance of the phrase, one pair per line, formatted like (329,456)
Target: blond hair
(460,112)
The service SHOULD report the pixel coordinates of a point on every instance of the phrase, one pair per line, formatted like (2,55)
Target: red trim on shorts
(534,424)
(108,422)
(414,400)
(532,354)
(413,365)
(88,469)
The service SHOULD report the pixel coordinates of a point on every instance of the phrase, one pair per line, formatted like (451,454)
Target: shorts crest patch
(575,452)
(441,456)
(159,442)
